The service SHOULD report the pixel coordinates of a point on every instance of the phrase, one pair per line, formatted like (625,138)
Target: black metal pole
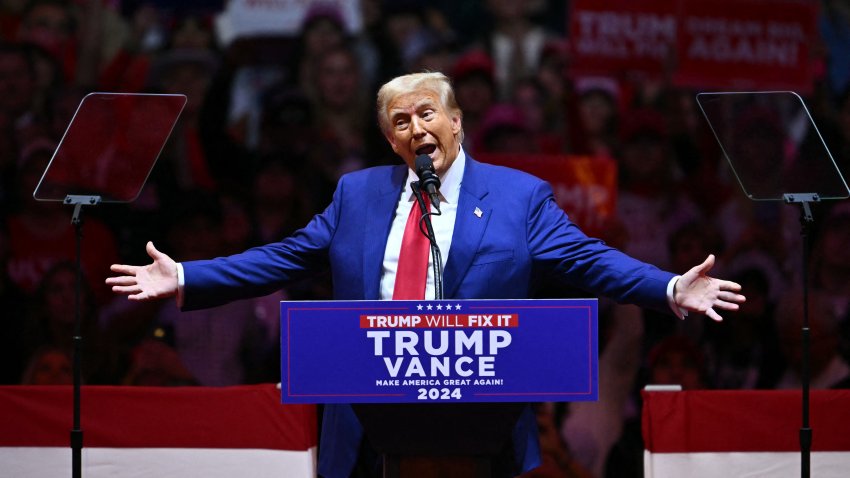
(806,220)
(76,431)
(805,430)
(78,201)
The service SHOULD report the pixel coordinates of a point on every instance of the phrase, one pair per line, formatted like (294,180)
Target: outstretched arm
(157,280)
(696,291)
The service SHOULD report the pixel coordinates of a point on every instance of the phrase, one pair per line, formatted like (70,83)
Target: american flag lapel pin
(478,212)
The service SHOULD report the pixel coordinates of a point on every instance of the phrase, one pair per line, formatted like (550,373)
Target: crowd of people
(270,125)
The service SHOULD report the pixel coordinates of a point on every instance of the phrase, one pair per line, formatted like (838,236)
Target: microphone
(428,179)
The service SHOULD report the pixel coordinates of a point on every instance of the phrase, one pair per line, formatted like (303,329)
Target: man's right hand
(157,280)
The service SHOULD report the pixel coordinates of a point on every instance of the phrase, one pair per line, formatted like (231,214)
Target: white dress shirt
(443,225)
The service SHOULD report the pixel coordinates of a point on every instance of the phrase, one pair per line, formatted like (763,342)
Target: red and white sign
(746,45)
(706,434)
(163,432)
(249,18)
(621,35)
(725,44)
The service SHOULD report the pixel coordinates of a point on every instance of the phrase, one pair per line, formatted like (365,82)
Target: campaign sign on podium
(439,351)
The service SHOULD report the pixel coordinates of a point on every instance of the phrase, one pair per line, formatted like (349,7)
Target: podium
(440,388)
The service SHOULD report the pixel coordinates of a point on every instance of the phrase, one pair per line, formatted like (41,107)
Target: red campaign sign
(725,44)
(584,187)
(616,36)
(746,45)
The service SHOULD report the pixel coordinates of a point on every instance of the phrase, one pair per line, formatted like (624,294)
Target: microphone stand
(436,256)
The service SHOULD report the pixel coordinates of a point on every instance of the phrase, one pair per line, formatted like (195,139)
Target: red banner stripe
(747,421)
(193,417)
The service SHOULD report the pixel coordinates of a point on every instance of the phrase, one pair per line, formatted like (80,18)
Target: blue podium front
(446,351)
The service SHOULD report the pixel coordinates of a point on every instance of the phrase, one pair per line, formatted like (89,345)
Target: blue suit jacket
(521,239)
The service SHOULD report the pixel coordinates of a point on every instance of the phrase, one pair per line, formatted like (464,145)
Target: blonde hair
(434,82)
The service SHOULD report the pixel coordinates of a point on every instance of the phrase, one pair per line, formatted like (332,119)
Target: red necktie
(412,269)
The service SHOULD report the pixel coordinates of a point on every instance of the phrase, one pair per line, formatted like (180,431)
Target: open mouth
(426,149)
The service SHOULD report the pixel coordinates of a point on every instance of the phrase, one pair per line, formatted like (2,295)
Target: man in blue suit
(500,229)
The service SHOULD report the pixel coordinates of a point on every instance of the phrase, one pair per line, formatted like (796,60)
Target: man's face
(420,124)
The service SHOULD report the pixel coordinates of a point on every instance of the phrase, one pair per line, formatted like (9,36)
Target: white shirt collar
(449,182)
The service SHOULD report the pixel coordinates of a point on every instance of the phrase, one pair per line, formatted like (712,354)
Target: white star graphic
(439,306)
(429,307)
(457,307)
(418,306)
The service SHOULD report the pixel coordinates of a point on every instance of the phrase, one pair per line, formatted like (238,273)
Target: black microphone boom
(428,179)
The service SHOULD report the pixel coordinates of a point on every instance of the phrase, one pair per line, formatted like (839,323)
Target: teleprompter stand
(78,202)
(106,155)
(755,130)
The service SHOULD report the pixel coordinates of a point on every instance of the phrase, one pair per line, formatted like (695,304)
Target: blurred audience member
(286,125)
(18,117)
(51,25)
(13,305)
(515,42)
(742,352)
(505,131)
(555,457)
(11,12)
(51,322)
(430,52)
(49,366)
(831,255)
(340,105)
(693,241)
(474,85)
(399,29)
(41,234)
(220,346)
(531,98)
(277,203)
(183,164)
(830,267)
(650,203)
(127,70)
(552,75)
(841,151)
(591,429)
(155,364)
(696,152)
(598,116)
(677,360)
(827,368)
(322,30)
(18,88)
(834,24)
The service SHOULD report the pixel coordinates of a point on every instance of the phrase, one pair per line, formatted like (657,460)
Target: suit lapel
(473,214)
(379,217)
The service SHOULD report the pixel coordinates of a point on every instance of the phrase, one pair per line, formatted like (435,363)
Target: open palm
(154,281)
(696,291)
